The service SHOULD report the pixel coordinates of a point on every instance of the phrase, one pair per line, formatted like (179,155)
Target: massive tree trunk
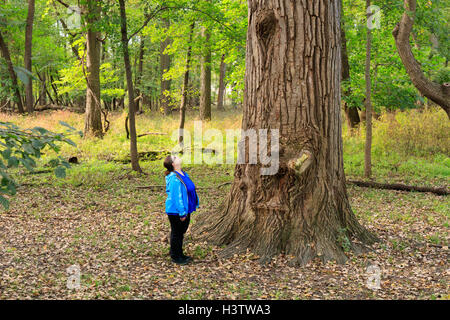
(12,73)
(165,66)
(93,115)
(27,56)
(131,104)
(292,83)
(221,83)
(368,104)
(185,86)
(350,113)
(438,93)
(205,78)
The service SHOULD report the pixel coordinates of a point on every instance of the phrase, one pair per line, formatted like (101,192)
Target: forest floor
(98,219)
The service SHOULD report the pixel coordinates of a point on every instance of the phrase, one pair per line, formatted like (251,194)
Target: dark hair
(168,164)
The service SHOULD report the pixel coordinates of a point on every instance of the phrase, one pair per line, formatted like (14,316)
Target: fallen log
(54,107)
(400,187)
(144,156)
(151,133)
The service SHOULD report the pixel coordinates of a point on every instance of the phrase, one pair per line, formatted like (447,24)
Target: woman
(181,201)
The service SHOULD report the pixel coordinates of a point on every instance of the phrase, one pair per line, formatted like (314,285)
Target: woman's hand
(182,219)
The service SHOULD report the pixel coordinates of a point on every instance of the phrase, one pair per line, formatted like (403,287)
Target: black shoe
(188,258)
(181,260)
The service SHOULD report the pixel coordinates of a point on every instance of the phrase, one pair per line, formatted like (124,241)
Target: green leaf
(70,142)
(28,148)
(24,74)
(40,130)
(67,125)
(53,163)
(60,172)
(13,162)
(27,163)
(6,153)
(37,144)
(4,202)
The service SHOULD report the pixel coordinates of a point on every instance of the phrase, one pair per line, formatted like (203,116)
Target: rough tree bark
(29,101)
(93,117)
(12,73)
(292,83)
(221,93)
(131,103)
(165,66)
(185,86)
(438,93)
(205,78)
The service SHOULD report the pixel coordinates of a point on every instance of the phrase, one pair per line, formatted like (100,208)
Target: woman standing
(181,201)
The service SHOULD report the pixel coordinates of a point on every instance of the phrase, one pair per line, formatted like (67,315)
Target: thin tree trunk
(221,83)
(292,83)
(185,86)
(233,100)
(27,56)
(368,104)
(45,92)
(139,75)
(12,73)
(351,113)
(93,116)
(131,104)
(205,78)
(43,100)
(165,66)
(55,89)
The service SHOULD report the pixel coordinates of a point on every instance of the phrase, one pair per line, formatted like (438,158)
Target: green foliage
(22,147)
(72,81)
(391,86)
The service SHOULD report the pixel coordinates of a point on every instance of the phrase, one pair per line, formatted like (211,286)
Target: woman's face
(176,162)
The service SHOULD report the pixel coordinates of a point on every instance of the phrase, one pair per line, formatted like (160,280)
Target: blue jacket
(177,198)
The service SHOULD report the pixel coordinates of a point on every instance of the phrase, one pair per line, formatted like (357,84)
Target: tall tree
(436,92)
(205,77)
(350,112)
(185,86)
(43,91)
(27,56)
(221,93)
(368,101)
(131,103)
(165,66)
(93,116)
(292,83)
(139,75)
(12,73)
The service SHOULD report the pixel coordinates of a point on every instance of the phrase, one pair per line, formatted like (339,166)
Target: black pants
(178,229)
